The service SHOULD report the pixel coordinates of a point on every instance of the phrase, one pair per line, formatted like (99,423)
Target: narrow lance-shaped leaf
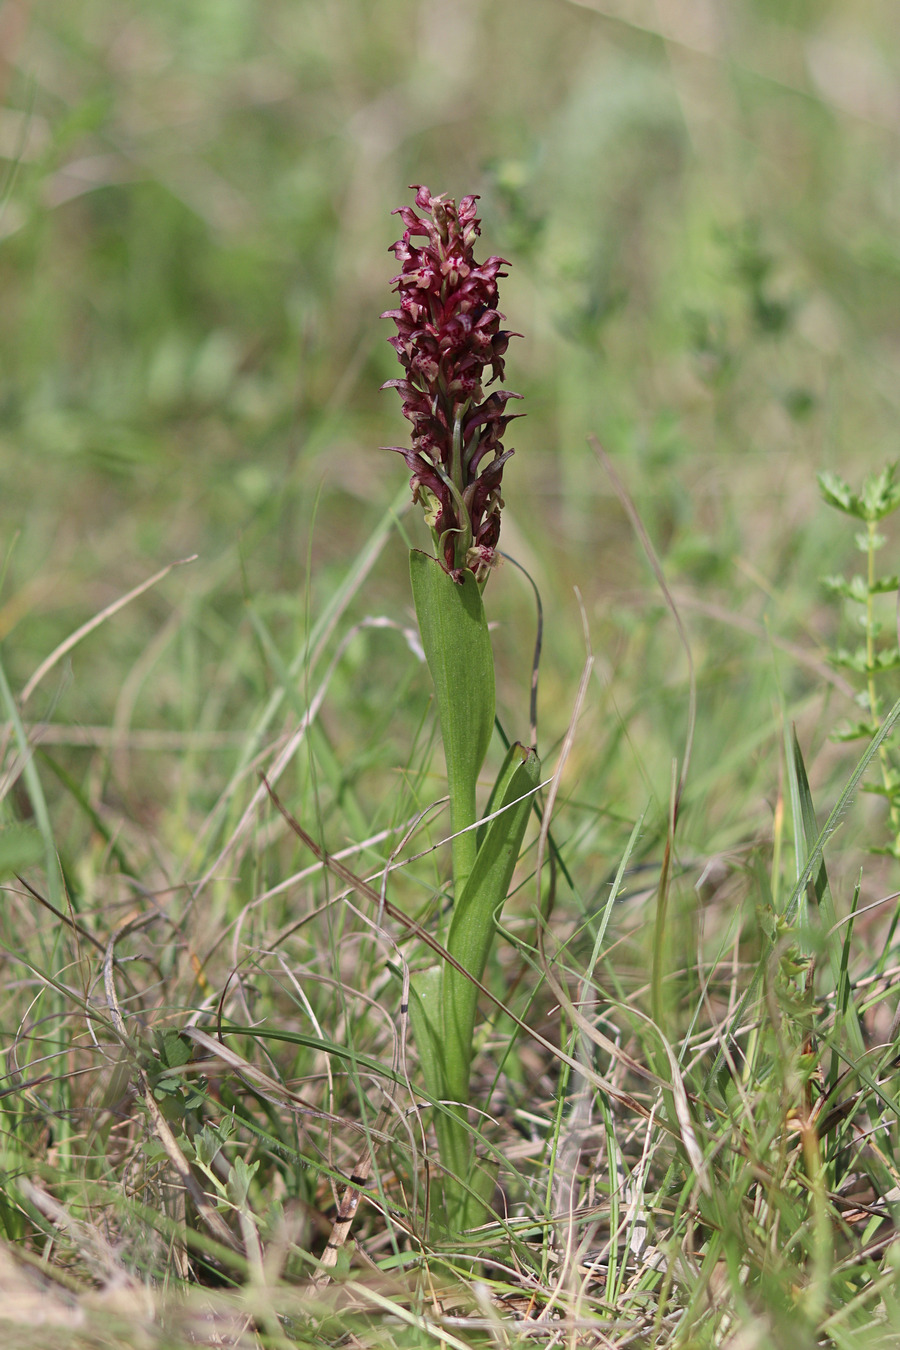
(457,647)
(472,926)
(511,762)
(425,1016)
(818,887)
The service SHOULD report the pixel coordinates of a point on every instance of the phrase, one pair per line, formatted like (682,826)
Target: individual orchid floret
(448,338)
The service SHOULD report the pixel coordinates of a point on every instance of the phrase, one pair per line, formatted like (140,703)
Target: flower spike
(448,335)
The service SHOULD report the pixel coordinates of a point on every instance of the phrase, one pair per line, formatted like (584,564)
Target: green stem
(884,758)
(870,628)
(463,814)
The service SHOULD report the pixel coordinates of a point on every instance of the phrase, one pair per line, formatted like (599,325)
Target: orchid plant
(450,343)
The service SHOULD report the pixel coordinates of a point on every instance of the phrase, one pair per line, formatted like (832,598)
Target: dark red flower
(448,334)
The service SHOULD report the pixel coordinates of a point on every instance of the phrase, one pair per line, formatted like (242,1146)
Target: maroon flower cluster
(448,333)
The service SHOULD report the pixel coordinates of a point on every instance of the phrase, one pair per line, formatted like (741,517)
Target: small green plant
(878,653)
(448,336)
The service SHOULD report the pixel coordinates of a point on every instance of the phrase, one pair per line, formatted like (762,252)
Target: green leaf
(486,888)
(839,494)
(454,1144)
(469,941)
(210,1139)
(805,819)
(425,1016)
(239,1179)
(472,925)
(511,762)
(854,732)
(818,887)
(856,660)
(853,589)
(887,659)
(457,647)
(880,494)
(174,1049)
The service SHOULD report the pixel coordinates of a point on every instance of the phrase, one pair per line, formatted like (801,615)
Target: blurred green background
(699,200)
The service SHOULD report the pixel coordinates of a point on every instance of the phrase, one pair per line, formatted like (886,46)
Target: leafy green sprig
(879,653)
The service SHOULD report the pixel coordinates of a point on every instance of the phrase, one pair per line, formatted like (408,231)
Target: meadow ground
(202,1039)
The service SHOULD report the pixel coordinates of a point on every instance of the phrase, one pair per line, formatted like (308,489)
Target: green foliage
(457,647)
(878,498)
